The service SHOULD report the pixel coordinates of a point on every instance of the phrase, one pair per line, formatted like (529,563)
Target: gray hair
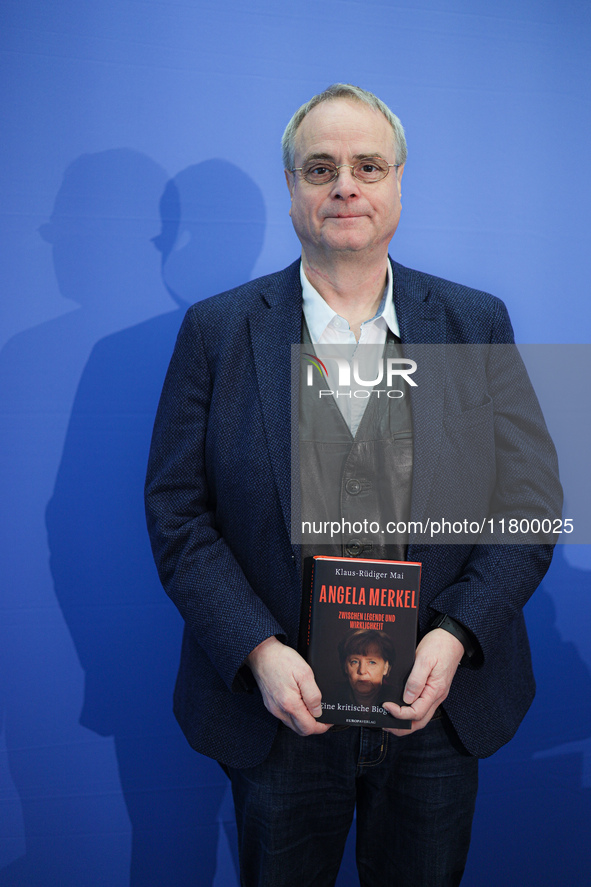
(342,91)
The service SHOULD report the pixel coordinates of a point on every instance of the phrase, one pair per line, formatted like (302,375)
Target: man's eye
(368,167)
(319,171)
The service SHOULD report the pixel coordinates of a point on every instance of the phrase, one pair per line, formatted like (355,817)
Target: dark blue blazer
(218,501)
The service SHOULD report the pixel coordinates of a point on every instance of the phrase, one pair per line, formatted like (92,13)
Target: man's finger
(414,712)
(419,717)
(416,681)
(311,695)
(302,722)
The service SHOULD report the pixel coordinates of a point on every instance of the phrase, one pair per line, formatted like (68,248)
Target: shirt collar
(319,314)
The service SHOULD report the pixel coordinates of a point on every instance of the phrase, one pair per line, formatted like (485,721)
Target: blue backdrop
(140,171)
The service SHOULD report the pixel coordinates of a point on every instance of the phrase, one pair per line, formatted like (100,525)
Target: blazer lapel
(422,327)
(274,327)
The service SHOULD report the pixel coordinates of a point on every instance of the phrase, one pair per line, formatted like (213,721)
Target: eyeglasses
(370,170)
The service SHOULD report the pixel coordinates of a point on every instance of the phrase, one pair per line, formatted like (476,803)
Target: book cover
(359,634)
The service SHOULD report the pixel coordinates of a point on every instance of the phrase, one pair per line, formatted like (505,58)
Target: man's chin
(346,243)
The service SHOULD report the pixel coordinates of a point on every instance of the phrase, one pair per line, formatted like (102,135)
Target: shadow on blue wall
(126,633)
(70,813)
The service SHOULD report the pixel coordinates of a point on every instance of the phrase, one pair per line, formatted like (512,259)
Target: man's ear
(399,172)
(290,179)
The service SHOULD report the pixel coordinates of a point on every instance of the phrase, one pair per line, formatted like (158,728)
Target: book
(359,635)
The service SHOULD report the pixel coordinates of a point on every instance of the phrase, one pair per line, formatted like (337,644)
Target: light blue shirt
(331,333)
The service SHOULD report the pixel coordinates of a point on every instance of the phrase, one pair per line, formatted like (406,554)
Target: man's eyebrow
(322,155)
(318,155)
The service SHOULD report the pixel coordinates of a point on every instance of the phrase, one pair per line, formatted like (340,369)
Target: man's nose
(345,185)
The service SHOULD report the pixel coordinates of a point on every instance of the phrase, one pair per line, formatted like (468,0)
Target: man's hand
(438,656)
(287,685)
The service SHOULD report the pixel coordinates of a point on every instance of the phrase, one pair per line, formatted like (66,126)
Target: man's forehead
(343,124)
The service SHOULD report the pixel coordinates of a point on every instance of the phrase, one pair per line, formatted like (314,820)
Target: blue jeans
(415,799)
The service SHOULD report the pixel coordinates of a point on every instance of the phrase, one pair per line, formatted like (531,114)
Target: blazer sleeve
(498,578)
(196,566)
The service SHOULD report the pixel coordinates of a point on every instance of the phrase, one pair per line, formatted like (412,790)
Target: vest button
(353,486)
(353,548)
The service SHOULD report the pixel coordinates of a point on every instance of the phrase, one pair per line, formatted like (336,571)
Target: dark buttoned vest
(361,481)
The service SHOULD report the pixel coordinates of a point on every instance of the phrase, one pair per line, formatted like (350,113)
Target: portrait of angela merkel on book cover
(366,658)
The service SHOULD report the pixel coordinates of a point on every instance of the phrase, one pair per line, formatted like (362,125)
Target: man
(219,506)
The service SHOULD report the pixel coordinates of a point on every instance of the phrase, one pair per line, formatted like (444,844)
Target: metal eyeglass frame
(335,170)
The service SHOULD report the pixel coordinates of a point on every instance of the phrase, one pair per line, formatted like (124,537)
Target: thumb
(415,683)
(311,695)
